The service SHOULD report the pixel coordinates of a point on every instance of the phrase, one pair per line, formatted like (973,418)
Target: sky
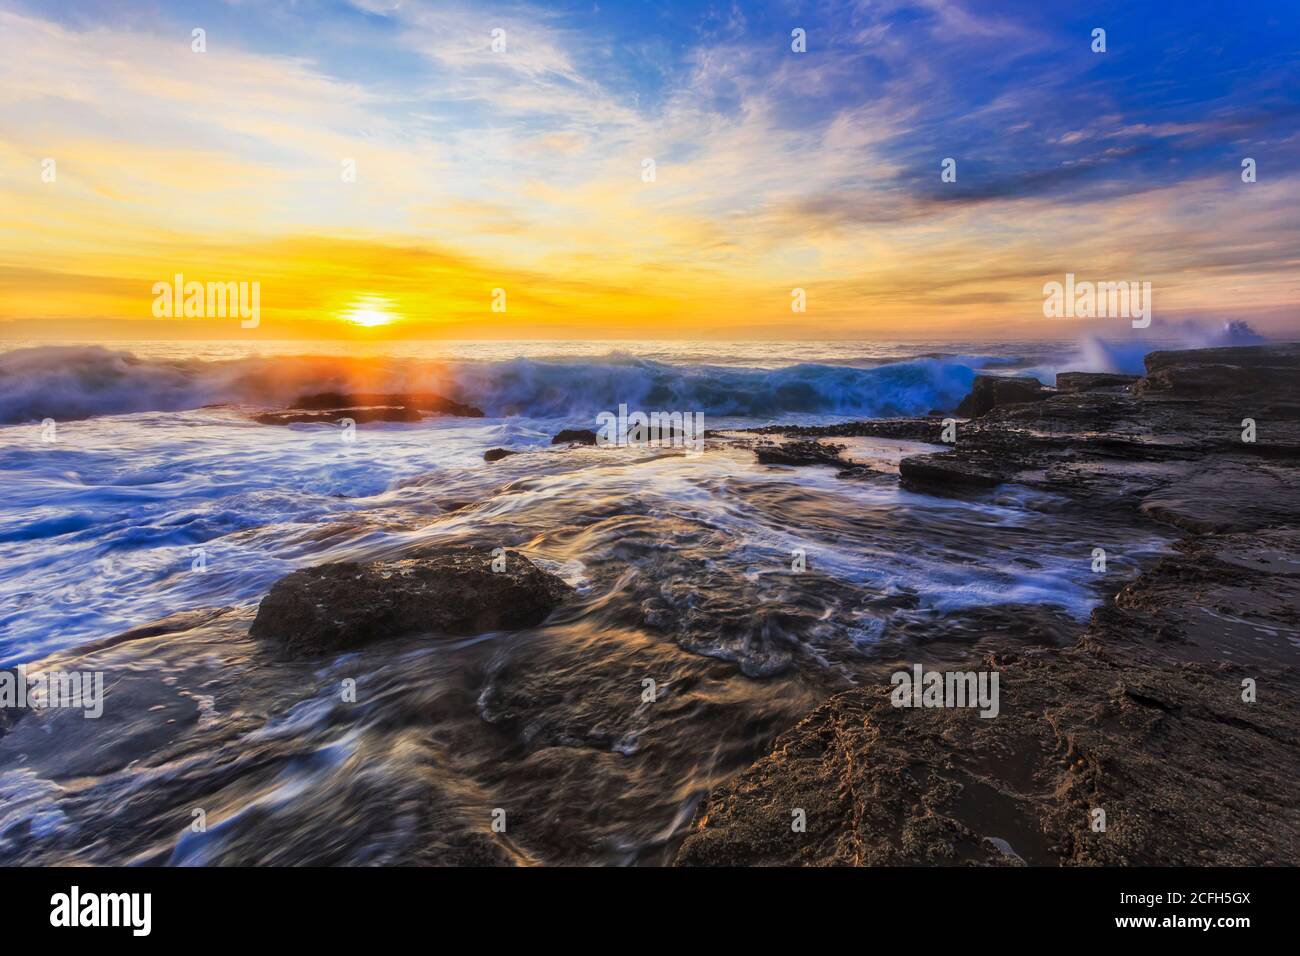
(524,169)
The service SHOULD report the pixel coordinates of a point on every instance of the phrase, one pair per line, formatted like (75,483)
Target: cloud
(773,169)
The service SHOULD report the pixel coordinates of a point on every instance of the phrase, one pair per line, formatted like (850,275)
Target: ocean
(138,488)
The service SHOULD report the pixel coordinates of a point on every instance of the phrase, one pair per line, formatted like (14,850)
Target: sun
(369,311)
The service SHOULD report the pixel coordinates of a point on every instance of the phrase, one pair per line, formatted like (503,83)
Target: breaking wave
(73,382)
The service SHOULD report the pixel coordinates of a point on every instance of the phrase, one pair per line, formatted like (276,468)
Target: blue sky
(819,168)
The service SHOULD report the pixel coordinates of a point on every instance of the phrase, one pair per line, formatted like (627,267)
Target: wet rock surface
(1285,355)
(1087,381)
(496,454)
(578,436)
(364,407)
(333,607)
(359,416)
(1149,717)
(990,391)
(909,429)
(1220,373)
(801,453)
(1218,380)
(949,471)
(556,725)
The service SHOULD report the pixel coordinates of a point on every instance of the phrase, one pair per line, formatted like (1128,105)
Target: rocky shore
(614,648)
(1167,734)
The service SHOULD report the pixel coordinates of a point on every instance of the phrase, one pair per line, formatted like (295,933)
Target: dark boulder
(496,454)
(334,607)
(575,436)
(990,391)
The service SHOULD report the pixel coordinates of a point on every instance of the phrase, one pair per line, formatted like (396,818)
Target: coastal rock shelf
(1173,713)
(725,656)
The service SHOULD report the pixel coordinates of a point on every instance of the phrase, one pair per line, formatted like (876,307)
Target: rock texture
(1220,373)
(990,391)
(1086,381)
(801,453)
(1148,718)
(576,436)
(363,407)
(947,471)
(334,607)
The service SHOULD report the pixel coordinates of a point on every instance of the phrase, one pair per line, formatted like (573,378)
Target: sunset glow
(605,433)
(369,311)
(337,154)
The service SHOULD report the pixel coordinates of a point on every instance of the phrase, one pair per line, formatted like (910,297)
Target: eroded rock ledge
(989,391)
(1143,718)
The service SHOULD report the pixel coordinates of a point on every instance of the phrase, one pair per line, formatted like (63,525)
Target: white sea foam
(78,382)
(99,528)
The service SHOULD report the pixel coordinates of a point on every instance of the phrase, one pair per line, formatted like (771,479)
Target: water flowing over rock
(1180,688)
(334,607)
(329,407)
